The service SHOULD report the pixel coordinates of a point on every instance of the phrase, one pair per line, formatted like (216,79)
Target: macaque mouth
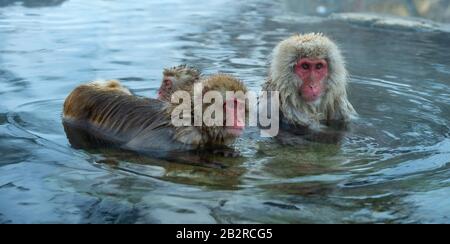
(161,94)
(234,117)
(166,86)
(312,97)
(234,131)
(313,73)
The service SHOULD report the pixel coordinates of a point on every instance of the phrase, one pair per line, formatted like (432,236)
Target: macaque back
(97,115)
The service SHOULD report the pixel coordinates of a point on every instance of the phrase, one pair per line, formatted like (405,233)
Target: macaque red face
(166,88)
(234,116)
(313,72)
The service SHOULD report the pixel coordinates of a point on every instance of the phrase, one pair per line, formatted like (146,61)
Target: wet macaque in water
(309,73)
(176,78)
(107,114)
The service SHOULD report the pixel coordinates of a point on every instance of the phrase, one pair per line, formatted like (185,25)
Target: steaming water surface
(393,166)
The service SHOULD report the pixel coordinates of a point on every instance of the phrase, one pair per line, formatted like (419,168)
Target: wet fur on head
(183,73)
(222,83)
(333,105)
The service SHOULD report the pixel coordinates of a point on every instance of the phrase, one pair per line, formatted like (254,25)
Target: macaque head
(213,112)
(233,105)
(176,78)
(309,73)
(310,64)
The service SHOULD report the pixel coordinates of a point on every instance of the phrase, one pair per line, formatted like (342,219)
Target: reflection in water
(392,166)
(10,83)
(189,167)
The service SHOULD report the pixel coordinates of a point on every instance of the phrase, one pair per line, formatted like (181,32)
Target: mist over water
(392,166)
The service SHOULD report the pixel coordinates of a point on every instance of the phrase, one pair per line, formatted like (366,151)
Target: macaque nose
(313,86)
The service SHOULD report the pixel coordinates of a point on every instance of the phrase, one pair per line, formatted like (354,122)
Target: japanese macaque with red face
(309,73)
(107,114)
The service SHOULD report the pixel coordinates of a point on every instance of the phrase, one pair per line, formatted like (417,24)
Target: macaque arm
(156,138)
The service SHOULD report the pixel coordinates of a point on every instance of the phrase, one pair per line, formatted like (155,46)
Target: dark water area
(393,166)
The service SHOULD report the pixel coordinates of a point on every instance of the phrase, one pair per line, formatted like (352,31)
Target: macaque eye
(305,66)
(319,66)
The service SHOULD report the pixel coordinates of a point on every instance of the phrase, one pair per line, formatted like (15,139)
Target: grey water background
(392,167)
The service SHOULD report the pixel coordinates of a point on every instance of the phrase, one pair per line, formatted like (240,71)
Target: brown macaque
(106,114)
(176,78)
(309,73)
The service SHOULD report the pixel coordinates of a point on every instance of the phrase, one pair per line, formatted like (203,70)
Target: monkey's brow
(168,73)
(294,60)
